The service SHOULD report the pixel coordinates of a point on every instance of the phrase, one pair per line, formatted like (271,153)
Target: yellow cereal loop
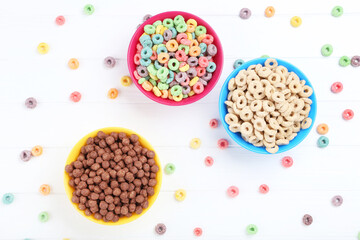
(126,81)
(156,91)
(295,21)
(189,35)
(158,29)
(191,93)
(43,48)
(144,34)
(37,151)
(193,81)
(153,76)
(154,48)
(178,98)
(180,195)
(195,143)
(191,22)
(184,68)
(162,30)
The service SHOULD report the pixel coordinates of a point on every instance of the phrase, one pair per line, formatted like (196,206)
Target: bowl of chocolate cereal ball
(112,176)
(267,106)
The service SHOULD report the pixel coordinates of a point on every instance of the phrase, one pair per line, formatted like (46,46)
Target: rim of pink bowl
(218,59)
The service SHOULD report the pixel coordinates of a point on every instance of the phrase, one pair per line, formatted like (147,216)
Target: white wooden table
(57,124)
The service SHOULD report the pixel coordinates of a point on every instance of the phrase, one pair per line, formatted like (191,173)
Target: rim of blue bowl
(237,136)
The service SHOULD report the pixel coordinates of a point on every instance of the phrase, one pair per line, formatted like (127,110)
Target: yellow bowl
(75,153)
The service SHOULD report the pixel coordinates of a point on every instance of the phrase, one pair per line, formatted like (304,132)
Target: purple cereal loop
(142,71)
(171,55)
(191,72)
(307,219)
(109,62)
(167,35)
(30,102)
(192,61)
(202,81)
(173,83)
(337,200)
(160,228)
(146,17)
(211,50)
(25,155)
(180,77)
(355,61)
(186,90)
(245,13)
(207,76)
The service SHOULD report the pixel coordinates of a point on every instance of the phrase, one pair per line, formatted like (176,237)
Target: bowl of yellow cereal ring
(267,106)
(175,58)
(112,176)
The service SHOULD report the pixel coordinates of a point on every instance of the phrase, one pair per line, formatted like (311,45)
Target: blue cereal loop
(145,62)
(203,47)
(146,52)
(171,77)
(157,39)
(8,198)
(174,32)
(143,38)
(161,49)
(147,43)
(157,64)
(238,63)
(193,35)
(211,67)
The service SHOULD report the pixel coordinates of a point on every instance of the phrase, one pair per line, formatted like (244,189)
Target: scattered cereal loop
(336,87)
(89,9)
(326,50)
(160,228)
(337,11)
(344,61)
(44,189)
(245,13)
(337,201)
(43,217)
(25,155)
(213,123)
(223,143)
(209,161)
(355,61)
(238,63)
(8,198)
(269,11)
(198,232)
(307,219)
(195,143)
(251,229)
(109,62)
(73,63)
(75,96)
(348,114)
(295,21)
(43,48)
(264,189)
(232,191)
(323,142)
(60,20)
(146,17)
(180,195)
(126,81)
(113,93)
(322,129)
(287,161)
(30,102)
(37,151)
(264,56)
(169,168)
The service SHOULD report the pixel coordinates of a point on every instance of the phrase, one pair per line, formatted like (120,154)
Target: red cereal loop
(336,87)
(60,20)
(232,191)
(223,143)
(197,232)
(348,114)
(287,161)
(209,161)
(75,96)
(214,123)
(264,188)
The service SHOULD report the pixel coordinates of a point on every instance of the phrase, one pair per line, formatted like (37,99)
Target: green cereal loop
(359,236)
(153,82)
(265,56)
(344,61)
(141,80)
(162,73)
(251,229)
(176,90)
(157,23)
(326,50)
(149,29)
(169,168)
(199,30)
(185,48)
(89,9)
(178,19)
(151,68)
(163,86)
(43,217)
(181,27)
(173,64)
(185,96)
(161,45)
(168,22)
(337,11)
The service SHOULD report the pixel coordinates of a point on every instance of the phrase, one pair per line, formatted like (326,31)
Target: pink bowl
(218,59)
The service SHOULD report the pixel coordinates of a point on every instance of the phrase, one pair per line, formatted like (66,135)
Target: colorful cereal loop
(75,96)
(126,81)
(73,63)
(113,93)
(43,48)
(180,195)
(264,188)
(89,9)
(214,123)
(44,189)
(348,114)
(37,151)
(336,87)
(337,11)
(251,229)
(209,161)
(197,232)
(322,129)
(60,20)
(295,21)
(232,191)
(195,143)
(269,11)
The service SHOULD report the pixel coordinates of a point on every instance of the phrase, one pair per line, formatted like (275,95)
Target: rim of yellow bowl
(75,153)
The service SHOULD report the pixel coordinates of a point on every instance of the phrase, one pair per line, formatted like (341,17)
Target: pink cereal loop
(186,82)
(232,191)
(137,76)
(200,71)
(185,42)
(197,232)
(198,87)
(75,96)
(137,58)
(264,188)
(60,20)
(287,161)
(181,36)
(139,47)
(203,62)
(214,123)
(166,64)
(223,143)
(208,39)
(180,56)
(348,114)
(336,87)
(154,56)
(209,161)
(182,64)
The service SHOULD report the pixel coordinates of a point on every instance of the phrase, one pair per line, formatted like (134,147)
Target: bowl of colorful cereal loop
(175,58)
(267,106)
(112,176)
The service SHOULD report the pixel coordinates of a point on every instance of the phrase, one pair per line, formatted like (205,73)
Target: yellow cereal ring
(201,37)
(180,195)
(158,29)
(163,57)
(162,30)
(195,51)
(189,35)
(184,68)
(172,45)
(153,76)
(37,150)
(295,21)
(156,91)
(43,48)
(193,81)
(178,98)
(154,48)
(147,86)
(191,22)
(191,93)
(195,143)
(126,81)
(144,34)
(164,94)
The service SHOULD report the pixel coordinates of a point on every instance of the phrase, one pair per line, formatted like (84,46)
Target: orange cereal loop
(164,93)
(126,81)
(113,93)
(163,57)
(147,86)
(190,28)
(169,95)
(172,45)
(194,43)
(37,151)
(322,129)
(195,51)
(73,63)
(201,37)
(44,189)
(269,11)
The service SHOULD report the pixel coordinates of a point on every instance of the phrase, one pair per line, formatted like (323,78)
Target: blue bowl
(237,136)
